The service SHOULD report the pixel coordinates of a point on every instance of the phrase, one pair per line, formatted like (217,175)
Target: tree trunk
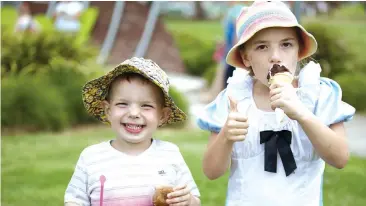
(199,12)
(334,5)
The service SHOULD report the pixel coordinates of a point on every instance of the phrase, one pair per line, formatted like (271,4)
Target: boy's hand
(236,126)
(181,196)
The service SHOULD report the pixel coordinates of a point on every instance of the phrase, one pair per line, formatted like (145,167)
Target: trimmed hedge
(42,76)
(340,60)
(210,75)
(353,89)
(353,12)
(196,53)
(46,100)
(32,103)
(333,53)
(69,80)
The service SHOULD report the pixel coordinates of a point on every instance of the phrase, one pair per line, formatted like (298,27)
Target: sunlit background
(46,59)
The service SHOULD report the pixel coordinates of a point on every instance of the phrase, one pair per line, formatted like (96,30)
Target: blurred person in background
(67,16)
(230,35)
(25,21)
(224,70)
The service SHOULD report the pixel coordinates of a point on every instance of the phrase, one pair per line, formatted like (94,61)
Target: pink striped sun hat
(266,14)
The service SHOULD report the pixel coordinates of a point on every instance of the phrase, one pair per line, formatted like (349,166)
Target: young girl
(274,164)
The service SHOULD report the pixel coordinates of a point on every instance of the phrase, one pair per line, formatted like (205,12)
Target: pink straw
(102,179)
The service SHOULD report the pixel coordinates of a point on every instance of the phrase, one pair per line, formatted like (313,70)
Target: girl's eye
(261,47)
(287,44)
(121,104)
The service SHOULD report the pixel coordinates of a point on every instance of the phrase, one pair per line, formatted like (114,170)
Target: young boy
(134,99)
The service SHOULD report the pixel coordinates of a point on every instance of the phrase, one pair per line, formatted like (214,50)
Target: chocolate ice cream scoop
(276,69)
(279,74)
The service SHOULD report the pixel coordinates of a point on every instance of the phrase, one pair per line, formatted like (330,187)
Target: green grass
(209,30)
(36,168)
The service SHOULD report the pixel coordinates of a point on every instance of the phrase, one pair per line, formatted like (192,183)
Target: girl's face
(271,46)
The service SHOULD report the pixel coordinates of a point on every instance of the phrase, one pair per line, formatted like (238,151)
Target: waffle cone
(284,77)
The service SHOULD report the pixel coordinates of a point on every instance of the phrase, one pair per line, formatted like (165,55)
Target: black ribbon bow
(280,141)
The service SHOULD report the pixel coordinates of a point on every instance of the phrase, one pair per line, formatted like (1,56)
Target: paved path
(192,87)
(356,135)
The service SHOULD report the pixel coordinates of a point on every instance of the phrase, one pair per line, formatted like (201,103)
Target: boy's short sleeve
(184,176)
(330,108)
(76,190)
(214,115)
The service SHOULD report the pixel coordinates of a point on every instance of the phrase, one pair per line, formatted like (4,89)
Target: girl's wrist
(305,116)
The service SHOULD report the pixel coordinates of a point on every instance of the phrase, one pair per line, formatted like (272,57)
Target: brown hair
(128,76)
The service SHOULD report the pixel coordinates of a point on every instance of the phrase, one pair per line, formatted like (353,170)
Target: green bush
(31,103)
(353,12)
(353,89)
(210,75)
(69,79)
(45,22)
(181,101)
(195,52)
(23,49)
(49,99)
(43,75)
(333,53)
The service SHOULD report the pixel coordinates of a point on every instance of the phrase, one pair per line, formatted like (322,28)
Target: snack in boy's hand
(160,196)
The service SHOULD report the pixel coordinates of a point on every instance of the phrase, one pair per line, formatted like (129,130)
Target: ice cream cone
(283,77)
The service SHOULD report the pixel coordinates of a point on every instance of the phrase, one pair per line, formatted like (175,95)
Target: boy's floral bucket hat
(265,14)
(95,91)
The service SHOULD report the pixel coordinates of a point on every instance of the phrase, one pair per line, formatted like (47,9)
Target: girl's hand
(181,196)
(283,95)
(236,126)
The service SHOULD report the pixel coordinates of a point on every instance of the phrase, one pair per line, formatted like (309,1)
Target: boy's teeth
(134,126)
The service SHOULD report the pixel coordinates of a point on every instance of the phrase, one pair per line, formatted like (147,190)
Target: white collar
(240,85)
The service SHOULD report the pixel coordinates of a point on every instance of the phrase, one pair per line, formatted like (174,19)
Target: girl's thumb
(233,104)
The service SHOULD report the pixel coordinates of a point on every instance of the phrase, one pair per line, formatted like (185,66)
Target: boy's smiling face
(135,110)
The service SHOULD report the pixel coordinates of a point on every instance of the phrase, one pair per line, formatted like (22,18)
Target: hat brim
(95,91)
(233,57)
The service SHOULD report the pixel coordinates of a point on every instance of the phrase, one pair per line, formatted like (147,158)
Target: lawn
(209,30)
(36,168)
